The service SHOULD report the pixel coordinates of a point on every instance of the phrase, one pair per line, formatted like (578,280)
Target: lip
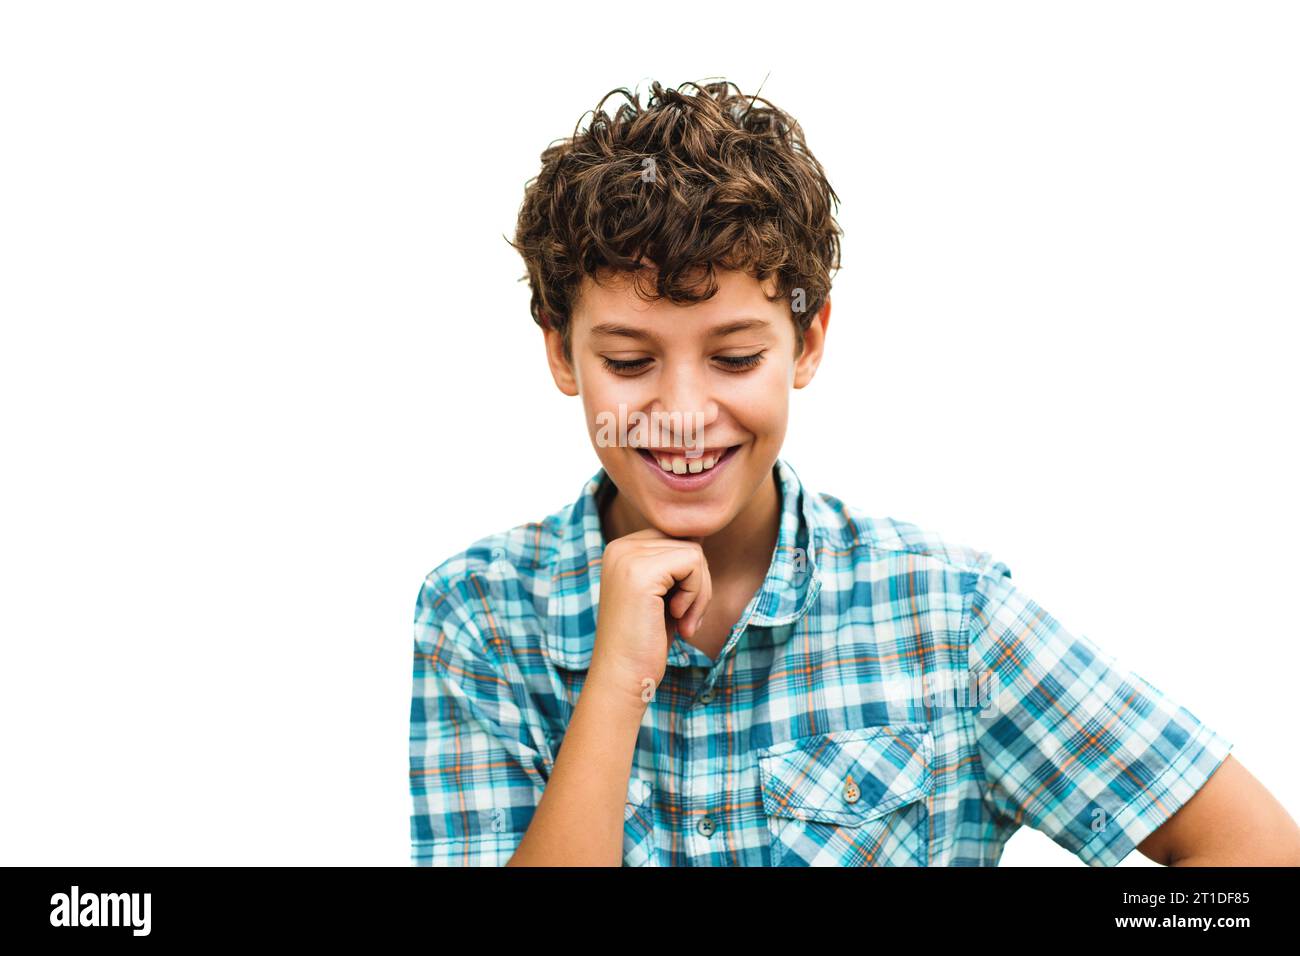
(688,482)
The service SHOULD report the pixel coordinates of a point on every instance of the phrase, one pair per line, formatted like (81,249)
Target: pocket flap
(847,776)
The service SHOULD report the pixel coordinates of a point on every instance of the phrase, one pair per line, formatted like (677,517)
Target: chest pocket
(849,797)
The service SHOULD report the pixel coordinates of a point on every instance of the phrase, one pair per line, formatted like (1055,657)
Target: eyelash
(734,363)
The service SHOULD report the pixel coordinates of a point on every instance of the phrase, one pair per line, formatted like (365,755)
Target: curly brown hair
(688,183)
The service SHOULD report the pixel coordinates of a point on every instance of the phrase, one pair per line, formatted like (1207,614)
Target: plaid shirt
(886,699)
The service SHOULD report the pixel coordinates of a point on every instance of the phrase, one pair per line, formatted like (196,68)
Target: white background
(266,361)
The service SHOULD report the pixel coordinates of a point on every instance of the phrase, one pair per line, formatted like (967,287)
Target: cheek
(596,397)
(601,409)
(600,406)
(761,403)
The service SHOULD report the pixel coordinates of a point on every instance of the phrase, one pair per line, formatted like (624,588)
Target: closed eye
(741,362)
(734,363)
(624,365)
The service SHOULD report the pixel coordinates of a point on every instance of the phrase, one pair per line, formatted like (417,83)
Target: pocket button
(851,791)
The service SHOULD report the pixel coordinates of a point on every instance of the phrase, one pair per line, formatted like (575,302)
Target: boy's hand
(647,581)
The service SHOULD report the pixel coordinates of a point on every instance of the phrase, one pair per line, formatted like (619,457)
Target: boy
(699,662)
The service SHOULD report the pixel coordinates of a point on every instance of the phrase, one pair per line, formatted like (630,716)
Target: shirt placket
(705,802)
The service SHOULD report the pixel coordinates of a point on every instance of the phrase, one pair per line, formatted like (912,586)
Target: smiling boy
(701,662)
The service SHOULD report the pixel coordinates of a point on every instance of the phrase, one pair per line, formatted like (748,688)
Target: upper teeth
(680,465)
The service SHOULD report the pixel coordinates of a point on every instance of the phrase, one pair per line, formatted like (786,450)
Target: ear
(814,343)
(561,370)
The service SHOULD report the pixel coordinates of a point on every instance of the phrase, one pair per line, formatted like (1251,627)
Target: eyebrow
(727,328)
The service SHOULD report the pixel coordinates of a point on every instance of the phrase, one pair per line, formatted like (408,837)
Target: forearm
(579,820)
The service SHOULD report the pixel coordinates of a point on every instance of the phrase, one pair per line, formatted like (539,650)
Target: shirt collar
(788,590)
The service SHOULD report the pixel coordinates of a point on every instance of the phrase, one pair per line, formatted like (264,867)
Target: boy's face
(676,359)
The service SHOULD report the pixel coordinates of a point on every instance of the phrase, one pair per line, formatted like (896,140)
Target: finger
(682,579)
(647,534)
(670,625)
(691,614)
(690,606)
(690,625)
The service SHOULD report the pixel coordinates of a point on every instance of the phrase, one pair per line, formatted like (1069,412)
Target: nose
(685,389)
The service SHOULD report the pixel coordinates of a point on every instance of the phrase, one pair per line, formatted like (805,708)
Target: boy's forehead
(614,302)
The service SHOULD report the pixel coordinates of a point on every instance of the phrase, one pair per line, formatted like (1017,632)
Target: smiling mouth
(676,463)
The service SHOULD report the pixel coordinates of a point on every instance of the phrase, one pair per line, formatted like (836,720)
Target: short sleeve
(475,777)
(1072,743)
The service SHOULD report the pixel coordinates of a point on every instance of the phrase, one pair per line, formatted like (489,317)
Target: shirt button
(707,696)
(851,791)
(705,826)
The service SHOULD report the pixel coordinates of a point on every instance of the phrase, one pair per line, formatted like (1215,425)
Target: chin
(692,519)
(686,528)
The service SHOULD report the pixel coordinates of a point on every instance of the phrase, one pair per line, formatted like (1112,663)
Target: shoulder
(513,562)
(855,535)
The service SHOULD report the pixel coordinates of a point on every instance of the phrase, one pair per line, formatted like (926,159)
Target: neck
(742,550)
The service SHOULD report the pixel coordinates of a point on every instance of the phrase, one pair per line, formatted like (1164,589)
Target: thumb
(670,624)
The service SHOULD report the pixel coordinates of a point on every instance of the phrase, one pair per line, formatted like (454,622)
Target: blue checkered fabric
(886,699)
